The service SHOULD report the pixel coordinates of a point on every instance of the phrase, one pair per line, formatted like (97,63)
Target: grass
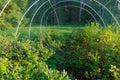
(36,30)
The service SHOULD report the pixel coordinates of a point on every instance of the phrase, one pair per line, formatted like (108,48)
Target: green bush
(4,26)
(25,60)
(92,53)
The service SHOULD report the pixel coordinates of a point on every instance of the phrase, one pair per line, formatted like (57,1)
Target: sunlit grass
(23,32)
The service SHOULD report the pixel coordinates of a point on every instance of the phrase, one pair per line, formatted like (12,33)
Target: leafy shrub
(25,60)
(87,54)
(4,26)
(93,51)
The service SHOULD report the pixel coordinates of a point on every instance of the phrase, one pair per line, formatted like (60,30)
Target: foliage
(12,13)
(67,14)
(90,53)
(25,60)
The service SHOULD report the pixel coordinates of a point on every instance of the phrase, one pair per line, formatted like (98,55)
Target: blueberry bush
(92,53)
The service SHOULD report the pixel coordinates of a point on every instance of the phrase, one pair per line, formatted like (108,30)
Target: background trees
(66,14)
(12,13)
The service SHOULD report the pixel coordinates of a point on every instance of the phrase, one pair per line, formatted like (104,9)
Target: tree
(12,13)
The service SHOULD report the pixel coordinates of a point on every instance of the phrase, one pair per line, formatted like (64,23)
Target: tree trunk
(54,10)
(80,11)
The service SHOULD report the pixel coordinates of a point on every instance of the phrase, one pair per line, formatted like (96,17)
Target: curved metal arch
(67,0)
(75,7)
(24,16)
(4,7)
(34,17)
(62,2)
(73,1)
(108,12)
(27,12)
(54,11)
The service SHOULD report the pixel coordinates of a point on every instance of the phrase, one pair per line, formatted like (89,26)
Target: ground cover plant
(92,53)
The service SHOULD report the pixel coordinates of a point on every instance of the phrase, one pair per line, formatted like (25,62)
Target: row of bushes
(92,53)
(26,61)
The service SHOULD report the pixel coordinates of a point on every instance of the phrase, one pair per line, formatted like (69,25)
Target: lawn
(37,30)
